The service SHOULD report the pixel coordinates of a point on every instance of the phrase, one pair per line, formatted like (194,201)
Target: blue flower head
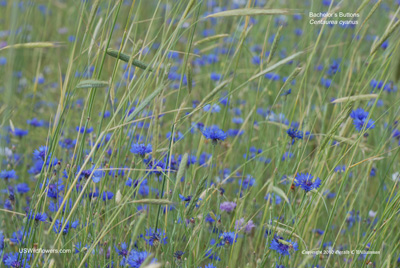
(6,175)
(57,228)
(214,133)
(35,122)
(123,251)
(295,134)
(37,217)
(14,260)
(19,132)
(271,197)
(136,258)
(154,238)
(141,149)
(360,119)
(305,181)
(228,238)
(283,247)
(41,153)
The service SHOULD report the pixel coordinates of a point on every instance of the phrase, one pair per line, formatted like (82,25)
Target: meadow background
(198,134)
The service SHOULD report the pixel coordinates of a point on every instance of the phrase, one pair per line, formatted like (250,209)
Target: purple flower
(227,206)
(246,227)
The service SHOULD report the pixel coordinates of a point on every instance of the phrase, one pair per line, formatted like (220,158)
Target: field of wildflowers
(199,133)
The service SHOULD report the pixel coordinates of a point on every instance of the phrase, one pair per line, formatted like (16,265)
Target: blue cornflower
(305,182)
(270,197)
(228,238)
(215,76)
(237,120)
(209,253)
(8,174)
(373,172)
(283,247)
(136,258)
(178,255)
(107,195)
(59,223)
(359,119)
(40,154)
(247,182)
(67,143)
(287,92)
(340,168)
(1,242)
(143,186)
(334,68)
(123,251)
(8,205)
(214,133)
(318,231)
(54,189)
(97,174)
(3,60)
(390,87)
(37,217)
(35,122)
(295,134)
(15,261)
(210,265)
(385,45)
(376,84)
(54,206)
(190,161)
(141,149)
(215,108)
(154,238)
(326,82)
(18,236)
(353,218)
(234,132)
(273,76)
(156,166)
(82,130)
(19,132)
(22,188)
(185,199)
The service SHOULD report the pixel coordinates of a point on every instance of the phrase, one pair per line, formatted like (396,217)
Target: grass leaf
(92,84)
(250,12)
